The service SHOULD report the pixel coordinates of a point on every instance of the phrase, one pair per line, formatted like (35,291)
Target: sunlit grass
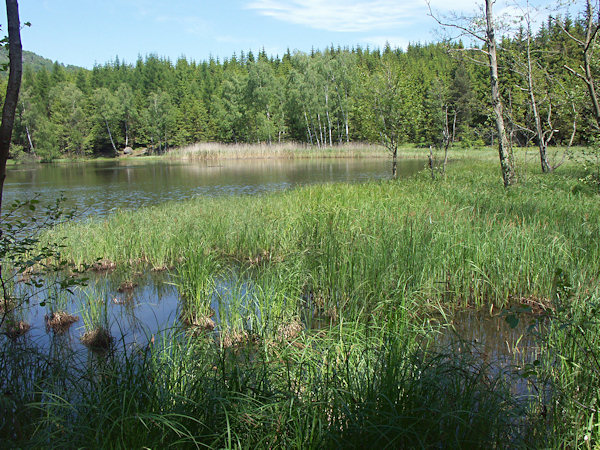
(466,240)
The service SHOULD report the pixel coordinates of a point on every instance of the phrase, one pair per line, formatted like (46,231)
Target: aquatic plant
(350,386)
(94,312)
(59,321)
(319,306)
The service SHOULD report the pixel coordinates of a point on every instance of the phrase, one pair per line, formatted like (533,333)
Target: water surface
(97,188)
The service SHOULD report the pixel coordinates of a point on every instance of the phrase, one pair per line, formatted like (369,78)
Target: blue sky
(86,32)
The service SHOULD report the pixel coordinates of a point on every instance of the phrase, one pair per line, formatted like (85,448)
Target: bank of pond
(391,313)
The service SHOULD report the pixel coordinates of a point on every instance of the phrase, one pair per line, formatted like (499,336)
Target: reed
(348,386)
(321,333)
(288,150)
(94,312)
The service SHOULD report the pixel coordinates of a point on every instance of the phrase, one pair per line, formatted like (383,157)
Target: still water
(97,188)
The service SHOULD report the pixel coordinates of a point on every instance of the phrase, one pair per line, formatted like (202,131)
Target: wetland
(326,304)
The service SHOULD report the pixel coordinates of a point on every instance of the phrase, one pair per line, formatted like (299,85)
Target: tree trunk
(588,47)
(12,88)
(320,128)
(269,126)
(536,115)
(31,147)
(587,60)
(504,150)
(449,143)
(431,163)
(328,119)
(395,162)
(308,128)
(347,129)
(110,135)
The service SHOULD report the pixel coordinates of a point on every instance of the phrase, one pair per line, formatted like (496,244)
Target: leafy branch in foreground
(28,268)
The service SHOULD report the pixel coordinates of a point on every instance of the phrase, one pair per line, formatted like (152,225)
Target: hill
(33,61)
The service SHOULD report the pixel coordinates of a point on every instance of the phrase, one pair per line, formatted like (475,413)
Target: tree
(264,98)
(159,120)
(542,90)
(12,89)
(393,107)
(487,36)
(107,105)
(587,45)
(69,118)
(229,108)
(444,114)
(127,113)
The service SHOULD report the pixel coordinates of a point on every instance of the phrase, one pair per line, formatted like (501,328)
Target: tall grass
(572,364)
(362,259)
(348,386)
(213,150)
(462,241)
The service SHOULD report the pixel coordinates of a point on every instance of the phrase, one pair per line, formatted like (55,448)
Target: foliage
(26,265)
(323,98)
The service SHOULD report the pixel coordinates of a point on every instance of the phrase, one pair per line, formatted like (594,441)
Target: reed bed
(288,150)
(464,241)
(347,386)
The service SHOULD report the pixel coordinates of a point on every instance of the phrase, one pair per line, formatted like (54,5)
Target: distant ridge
(34,61)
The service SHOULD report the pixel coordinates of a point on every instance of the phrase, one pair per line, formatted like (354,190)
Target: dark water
(97,188)
(153,307)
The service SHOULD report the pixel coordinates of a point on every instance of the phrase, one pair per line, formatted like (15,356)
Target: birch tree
(393,107)
(106,106)
(587,46)
(482,29)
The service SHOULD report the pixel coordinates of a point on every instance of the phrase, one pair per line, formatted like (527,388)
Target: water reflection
(98,188)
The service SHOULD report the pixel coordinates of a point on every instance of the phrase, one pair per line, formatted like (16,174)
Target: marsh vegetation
(327,315)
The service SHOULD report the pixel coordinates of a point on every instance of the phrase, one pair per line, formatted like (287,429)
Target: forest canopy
(323,98)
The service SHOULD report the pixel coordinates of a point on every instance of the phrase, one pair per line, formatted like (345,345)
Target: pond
(97,188)
(153,308)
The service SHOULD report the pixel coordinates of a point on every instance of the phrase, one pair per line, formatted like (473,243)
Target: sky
(89,32)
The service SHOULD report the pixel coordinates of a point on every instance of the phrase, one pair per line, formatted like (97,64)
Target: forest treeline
(323,98)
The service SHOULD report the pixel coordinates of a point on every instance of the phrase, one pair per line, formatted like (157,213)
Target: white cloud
(340,15)
(364,15)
